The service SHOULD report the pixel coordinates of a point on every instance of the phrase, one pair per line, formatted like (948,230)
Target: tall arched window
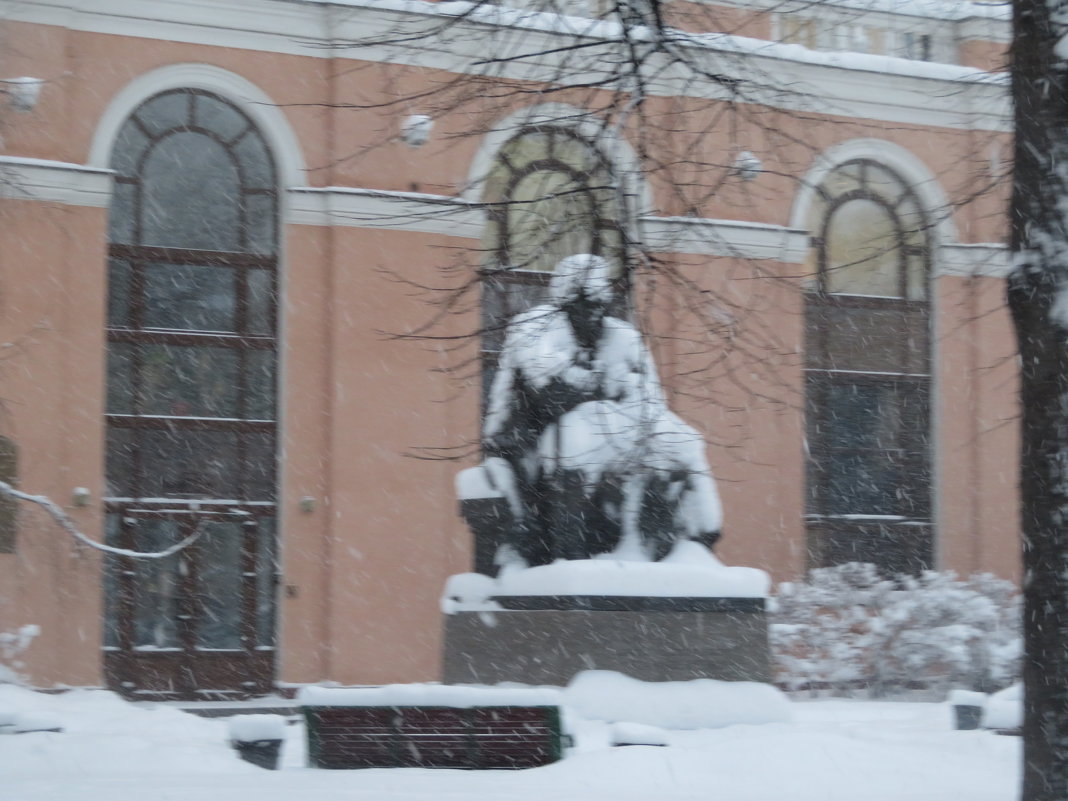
(868,372)
(550,194)
(192,307)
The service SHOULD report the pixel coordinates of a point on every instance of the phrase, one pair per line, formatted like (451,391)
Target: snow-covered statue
(579,446)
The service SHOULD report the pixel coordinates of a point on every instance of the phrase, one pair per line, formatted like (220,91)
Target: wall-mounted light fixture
(307,504)
(747,166)
(415,130)
(22,93)
(81,496)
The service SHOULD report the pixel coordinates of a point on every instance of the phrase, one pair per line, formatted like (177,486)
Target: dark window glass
(191,464)
(261,302)
(120,397)
(260,461)
(218,594)
(261,223)
(189,381)
(129,149)
(112,577)
(119,275)
(266,570)
(222,119)
(123,213)
(190,195)
(157,585)
(257,172)
(165,112)
(188,297)
(119,465)
(260,393)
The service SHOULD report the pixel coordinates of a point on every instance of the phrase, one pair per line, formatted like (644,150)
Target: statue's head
(581,287)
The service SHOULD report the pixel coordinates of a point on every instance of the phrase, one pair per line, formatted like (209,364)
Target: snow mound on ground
(254,728)
(833,750)
(1004,710)
(104,735)
(639,734)
(698,704)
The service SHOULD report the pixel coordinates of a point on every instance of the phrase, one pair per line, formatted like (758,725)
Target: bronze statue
(578,442)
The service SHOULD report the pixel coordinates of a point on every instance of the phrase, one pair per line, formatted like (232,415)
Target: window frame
(901,541)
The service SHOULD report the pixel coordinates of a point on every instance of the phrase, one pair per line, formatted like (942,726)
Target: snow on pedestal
(690,571)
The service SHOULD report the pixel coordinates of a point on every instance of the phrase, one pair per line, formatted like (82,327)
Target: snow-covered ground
(833,749)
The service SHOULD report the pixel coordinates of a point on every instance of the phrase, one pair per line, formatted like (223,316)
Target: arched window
(868,372)
(9,474)
(192,345)
(550,194)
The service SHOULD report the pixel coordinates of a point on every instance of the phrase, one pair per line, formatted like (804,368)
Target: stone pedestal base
(548,639)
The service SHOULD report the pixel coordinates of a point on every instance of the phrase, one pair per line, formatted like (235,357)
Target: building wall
(364,563)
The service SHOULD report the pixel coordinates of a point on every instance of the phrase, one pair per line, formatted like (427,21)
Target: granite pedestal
(549,639)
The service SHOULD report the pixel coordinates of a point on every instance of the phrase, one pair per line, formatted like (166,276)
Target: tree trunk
(1038,298)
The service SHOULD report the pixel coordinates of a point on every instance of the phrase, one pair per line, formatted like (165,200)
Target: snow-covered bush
(12,644)
(847,627)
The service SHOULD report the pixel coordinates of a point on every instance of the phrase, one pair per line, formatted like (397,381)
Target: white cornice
(728,238)
(54,182)
(877,88)
(939,10)
(78,185)
(370,208)
(985,259)
(451,216)
(983,29)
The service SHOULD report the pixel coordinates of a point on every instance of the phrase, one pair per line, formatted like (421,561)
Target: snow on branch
(64,521)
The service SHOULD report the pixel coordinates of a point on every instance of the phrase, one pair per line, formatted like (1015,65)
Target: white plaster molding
(399,211)
(947,11)
(54,182)
(730,238)
(910,167)
(983,259)
(984,30)
(866,87)
(268,117)
(452,216)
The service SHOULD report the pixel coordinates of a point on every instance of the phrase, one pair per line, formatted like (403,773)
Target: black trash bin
(967,709)
(968,716)
(258,739)
(261,753)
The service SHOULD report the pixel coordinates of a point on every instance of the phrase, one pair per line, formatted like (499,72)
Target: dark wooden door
(197,624)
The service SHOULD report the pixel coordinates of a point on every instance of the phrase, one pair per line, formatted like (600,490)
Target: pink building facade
(212,242)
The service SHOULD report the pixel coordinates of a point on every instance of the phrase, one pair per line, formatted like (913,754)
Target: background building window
(916,46)
(868,373)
